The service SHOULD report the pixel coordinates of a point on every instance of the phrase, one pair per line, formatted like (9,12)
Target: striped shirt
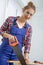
(6,28)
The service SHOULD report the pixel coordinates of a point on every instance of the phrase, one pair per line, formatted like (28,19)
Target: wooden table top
(18,62)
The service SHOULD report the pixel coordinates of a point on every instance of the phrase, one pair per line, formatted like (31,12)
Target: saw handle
(13,43)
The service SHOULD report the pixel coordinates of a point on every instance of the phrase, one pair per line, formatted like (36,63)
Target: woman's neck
(22,19)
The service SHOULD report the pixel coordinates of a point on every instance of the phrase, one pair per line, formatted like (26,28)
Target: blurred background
(14,8)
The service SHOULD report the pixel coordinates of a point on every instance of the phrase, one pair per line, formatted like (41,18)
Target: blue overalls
(6,51)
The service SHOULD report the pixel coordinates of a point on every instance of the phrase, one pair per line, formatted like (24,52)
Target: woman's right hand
(10,37)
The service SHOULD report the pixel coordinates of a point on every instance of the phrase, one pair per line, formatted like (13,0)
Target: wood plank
(18,62)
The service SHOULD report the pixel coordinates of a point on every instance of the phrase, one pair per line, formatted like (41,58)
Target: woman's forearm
(26,55)
(6,35)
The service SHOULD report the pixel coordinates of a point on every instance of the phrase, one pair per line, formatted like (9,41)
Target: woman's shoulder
(12,18)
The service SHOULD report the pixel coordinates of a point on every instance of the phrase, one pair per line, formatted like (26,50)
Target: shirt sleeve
(27,40)
(7,25)
(4,27)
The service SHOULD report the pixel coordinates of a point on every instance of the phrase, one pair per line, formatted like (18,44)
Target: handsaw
(17,50)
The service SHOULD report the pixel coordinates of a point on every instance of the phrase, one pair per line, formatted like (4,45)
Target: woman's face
(27,14)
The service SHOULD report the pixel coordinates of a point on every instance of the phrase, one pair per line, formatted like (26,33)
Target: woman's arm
(5,27)
(27,43)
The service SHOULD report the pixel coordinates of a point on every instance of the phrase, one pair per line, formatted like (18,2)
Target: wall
(13,9)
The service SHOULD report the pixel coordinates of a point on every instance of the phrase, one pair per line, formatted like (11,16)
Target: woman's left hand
(27,61)
(26,57)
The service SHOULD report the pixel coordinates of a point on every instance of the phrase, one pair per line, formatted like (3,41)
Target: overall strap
(15,18)
(14,22)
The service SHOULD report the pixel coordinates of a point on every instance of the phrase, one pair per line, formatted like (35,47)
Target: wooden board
(18,63)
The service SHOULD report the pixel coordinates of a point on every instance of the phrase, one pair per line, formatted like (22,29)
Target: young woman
(18,27)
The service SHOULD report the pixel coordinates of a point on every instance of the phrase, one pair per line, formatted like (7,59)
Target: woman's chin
(27,17)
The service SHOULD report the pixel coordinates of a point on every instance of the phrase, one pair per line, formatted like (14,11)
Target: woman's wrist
(6,35)
(26,55)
